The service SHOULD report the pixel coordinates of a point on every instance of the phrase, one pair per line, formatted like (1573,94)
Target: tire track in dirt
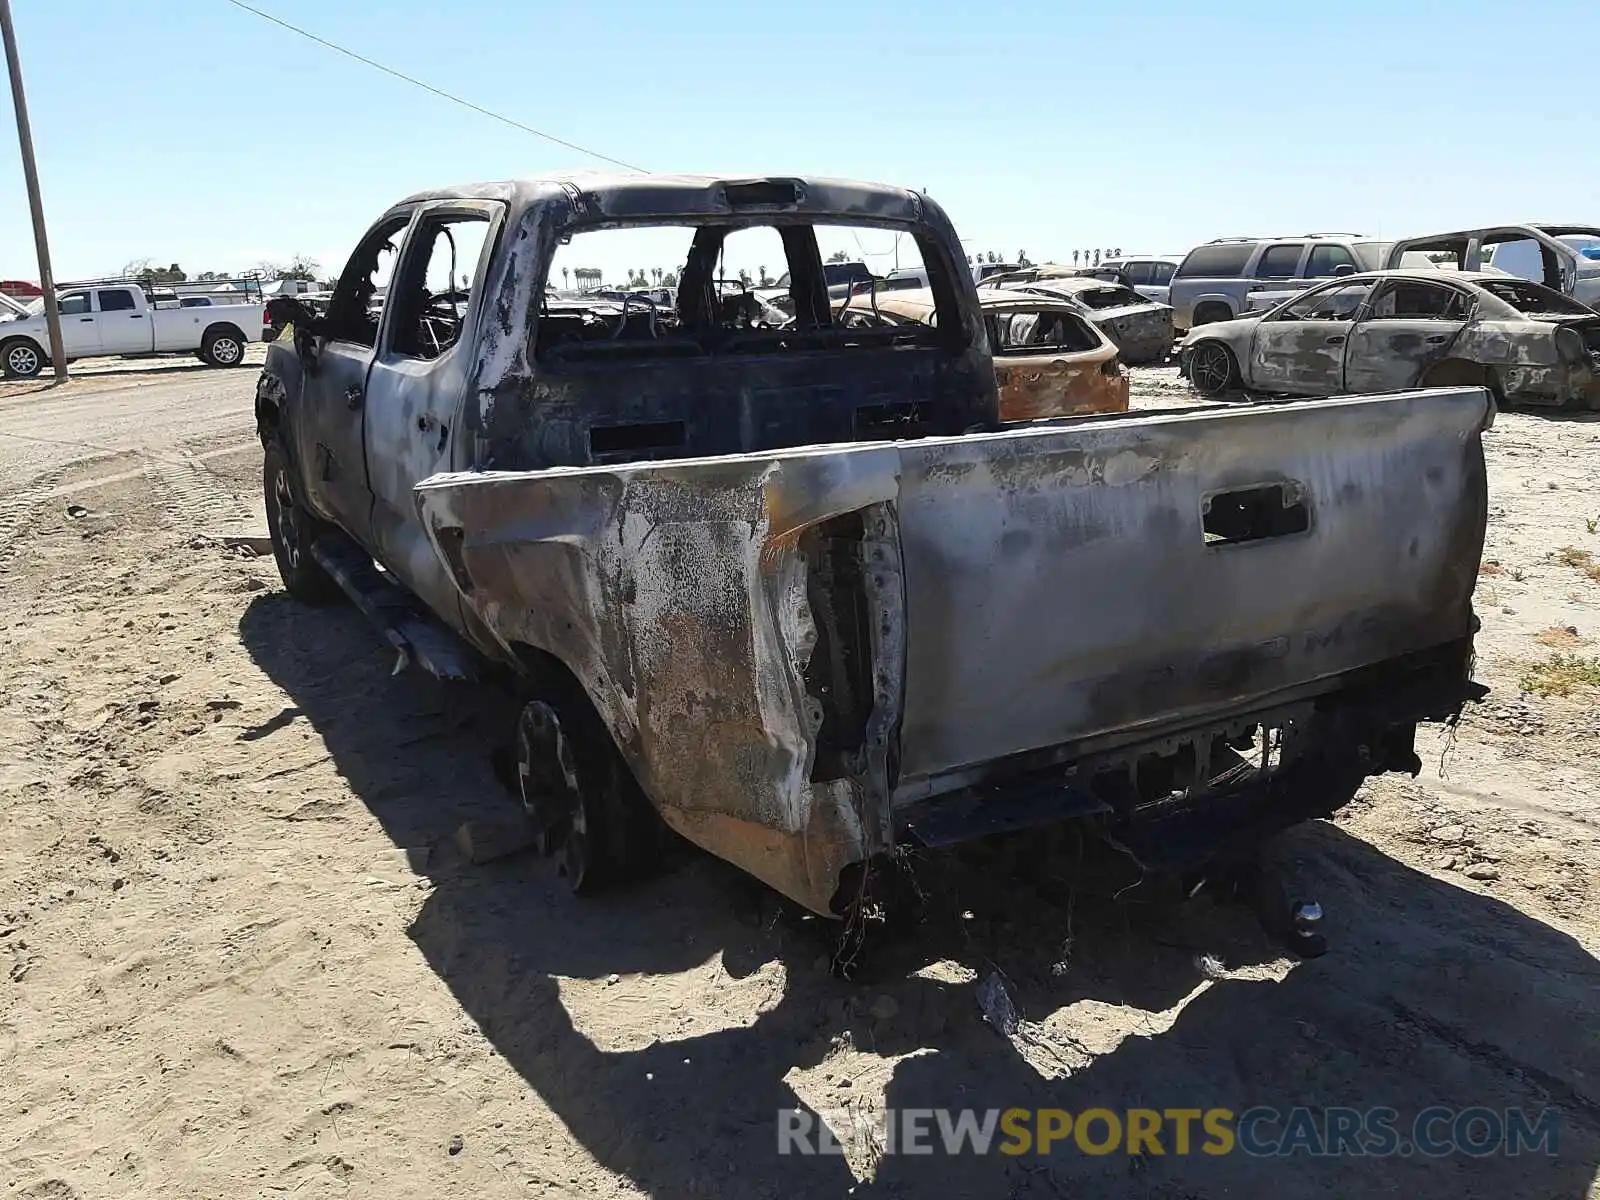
(87,485)
(196,498)
(16,507)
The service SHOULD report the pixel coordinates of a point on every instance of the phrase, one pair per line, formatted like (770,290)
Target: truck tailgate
(785,644)
(1066,585)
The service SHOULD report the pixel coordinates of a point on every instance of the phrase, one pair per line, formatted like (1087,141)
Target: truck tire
(580,796)
(222,348)
(1211,312)
(293,529)
(22,358)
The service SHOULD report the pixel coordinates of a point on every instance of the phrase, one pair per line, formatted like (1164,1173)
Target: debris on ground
(482,841)
(258,545)
(996,1000)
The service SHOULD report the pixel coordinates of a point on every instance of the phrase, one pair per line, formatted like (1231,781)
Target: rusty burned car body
(1405,329)
(797,592)
(1050,360)
(1141,329)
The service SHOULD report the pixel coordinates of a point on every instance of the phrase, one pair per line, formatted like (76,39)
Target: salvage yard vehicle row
(1402,329)
(777,583)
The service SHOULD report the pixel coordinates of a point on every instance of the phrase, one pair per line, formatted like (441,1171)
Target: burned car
(792,587)
(1049,359)
(1406,329)
(1142,329)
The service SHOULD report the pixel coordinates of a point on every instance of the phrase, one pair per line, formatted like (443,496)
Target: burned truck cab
(570,379)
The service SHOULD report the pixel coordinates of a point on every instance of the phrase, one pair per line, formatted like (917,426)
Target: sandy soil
(241,958)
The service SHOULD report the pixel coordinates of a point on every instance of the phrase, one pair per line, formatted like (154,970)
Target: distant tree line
(298,267)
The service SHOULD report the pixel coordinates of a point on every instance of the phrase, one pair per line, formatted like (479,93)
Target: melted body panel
(1013,593)
(1036,387)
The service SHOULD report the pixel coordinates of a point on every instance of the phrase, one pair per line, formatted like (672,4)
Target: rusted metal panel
(1039,387)
(1010,591)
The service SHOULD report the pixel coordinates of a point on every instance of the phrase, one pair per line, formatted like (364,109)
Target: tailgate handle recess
(1252,514)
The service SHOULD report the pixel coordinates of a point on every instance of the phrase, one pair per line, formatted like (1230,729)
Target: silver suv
(1149,275)
(1214,281)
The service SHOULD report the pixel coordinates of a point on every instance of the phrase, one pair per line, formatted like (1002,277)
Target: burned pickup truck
(793,588)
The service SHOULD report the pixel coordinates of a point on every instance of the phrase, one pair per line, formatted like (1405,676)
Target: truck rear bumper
(1186,797)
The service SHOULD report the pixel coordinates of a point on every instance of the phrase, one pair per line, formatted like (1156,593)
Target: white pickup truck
(119,319)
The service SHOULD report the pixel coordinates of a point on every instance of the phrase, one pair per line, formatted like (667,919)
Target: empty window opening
(1109,297)
(431,296)
(1421,301)
(727,286)
(1039,332)
(357,302)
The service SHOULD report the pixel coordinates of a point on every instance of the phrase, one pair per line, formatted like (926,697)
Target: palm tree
(563,276)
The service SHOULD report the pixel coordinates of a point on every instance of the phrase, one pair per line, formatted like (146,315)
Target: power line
(428,87)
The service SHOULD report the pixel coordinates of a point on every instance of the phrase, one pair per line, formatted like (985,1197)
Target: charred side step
(418,637)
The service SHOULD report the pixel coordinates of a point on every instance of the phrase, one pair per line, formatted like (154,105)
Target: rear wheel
(1213,369)
(581,798)
(293,530)
(222,348)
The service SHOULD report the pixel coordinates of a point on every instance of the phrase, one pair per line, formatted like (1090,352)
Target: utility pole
(30,172)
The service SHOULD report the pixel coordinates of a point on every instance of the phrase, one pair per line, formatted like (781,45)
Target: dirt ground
(241,957)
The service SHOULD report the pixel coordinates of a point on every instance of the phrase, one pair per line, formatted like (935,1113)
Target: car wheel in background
(1213,369)
(21,358)
(222,348)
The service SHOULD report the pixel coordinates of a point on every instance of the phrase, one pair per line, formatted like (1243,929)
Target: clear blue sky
(190,131)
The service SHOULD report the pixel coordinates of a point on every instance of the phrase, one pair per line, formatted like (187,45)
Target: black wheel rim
(285,520)
(1211,368)
(552,796)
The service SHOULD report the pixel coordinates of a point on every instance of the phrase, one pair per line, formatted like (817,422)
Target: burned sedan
(792,588)
(1049,358)
(1142,329)
(1405,329)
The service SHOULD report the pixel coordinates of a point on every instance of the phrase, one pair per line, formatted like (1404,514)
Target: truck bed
(796,649)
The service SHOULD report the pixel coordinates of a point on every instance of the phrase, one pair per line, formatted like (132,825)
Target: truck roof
(618,196)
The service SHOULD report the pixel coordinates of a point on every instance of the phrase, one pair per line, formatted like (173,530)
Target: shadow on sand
(1431,994)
